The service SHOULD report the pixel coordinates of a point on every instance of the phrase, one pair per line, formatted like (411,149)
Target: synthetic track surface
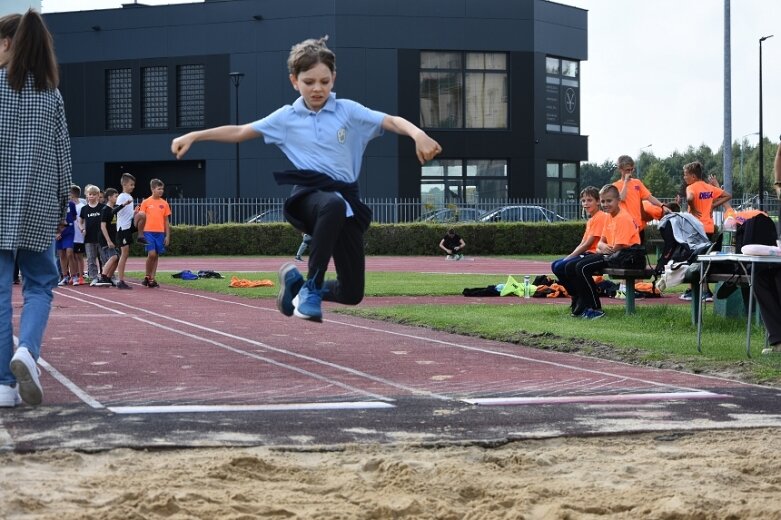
(179,367)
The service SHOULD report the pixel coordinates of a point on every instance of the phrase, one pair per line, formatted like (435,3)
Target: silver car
(522,214)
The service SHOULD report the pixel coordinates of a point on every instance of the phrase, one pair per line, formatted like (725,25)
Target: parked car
(521,214)
(272,215)
(452,215)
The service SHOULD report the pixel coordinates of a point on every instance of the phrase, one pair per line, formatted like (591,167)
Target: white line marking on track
(67,383)
(364,375)
(667,396)
(70,385)
(467,347)
(515,356)
(265,359)
(347,405)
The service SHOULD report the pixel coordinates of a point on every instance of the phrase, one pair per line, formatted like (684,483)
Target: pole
(727,146)
(236,80)
(761,136)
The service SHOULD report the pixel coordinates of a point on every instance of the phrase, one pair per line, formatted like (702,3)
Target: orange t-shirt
(156,211)
(621,229)
(652,211)
(742,216)
(635,194)
(702,196)
(595,227)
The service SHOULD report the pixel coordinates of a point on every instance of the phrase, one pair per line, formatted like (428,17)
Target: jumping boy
(324,137)
(124,226)
(157,229)
(620,232)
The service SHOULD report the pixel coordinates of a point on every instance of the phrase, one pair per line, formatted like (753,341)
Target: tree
(596,175)
(659,181)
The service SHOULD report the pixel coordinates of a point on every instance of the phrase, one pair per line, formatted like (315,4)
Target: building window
(119,99)
(463,90)
(456,181)
(562,180)
(154,97)
(562,95)
(190,96)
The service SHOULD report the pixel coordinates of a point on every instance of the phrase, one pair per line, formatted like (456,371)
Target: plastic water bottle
(526,287)
(727,244)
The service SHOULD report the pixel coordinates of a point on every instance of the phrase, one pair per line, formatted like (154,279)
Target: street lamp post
(761,151)
(236,80)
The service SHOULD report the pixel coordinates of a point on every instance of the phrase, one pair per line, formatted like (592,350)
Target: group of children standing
(102,227)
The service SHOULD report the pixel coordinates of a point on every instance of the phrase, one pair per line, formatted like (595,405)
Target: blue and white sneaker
(592,314)
(308,301)
(290,282)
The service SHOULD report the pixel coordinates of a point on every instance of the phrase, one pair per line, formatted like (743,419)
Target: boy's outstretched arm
(222,134)
(425,147)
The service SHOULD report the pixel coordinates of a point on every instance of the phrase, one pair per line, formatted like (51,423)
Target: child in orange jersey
(702,197)
(157,229)
(633,192)
(620,232)
(564,268)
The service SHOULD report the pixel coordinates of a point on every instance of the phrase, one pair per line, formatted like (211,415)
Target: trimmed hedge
(382,239)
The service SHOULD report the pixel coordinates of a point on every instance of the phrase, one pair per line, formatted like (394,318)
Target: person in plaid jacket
(35,175)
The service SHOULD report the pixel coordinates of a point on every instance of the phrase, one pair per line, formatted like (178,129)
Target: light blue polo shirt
(331,141)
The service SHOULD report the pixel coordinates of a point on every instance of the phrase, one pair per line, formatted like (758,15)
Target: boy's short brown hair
(154,183)
(308,53)
(110,192)
(126,177)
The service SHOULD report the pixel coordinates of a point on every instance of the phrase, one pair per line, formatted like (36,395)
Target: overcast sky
(655,72)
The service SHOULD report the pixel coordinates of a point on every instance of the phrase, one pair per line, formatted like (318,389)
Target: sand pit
(714,474)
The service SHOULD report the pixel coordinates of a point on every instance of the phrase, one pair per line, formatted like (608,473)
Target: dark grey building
(496,82)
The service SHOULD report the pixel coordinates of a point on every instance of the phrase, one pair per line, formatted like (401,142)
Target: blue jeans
(40,276)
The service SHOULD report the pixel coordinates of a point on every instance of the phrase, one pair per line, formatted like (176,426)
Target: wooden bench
(630,276)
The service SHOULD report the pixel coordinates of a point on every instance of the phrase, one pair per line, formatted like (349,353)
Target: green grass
(658,335)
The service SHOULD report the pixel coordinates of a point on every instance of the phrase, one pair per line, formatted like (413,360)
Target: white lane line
(483,350)
(515,356)
(668,396)
(266,360)
(70,385)
(347,405)
(352,371)
(67,383)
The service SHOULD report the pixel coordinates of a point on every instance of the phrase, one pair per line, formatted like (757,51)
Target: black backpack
(757,230)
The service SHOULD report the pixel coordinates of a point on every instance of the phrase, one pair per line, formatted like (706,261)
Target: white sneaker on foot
(9,397)
(26,372)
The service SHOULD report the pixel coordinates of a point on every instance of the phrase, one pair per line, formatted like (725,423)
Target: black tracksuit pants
(336,236)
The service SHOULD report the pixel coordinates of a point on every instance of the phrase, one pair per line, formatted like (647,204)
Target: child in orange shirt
(633,193)
(564,268)
(157,229)
(702,197)
(620,232)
